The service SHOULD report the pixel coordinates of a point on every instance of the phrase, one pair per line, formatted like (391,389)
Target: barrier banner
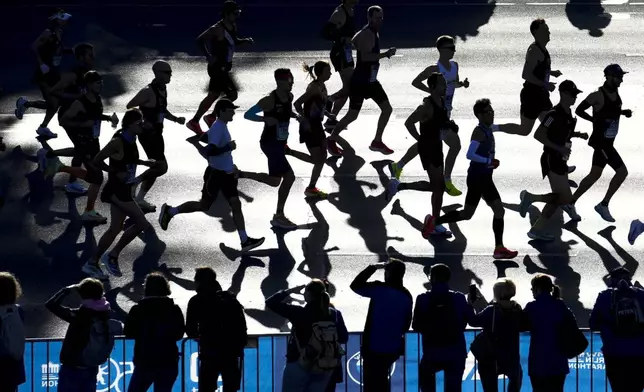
(264,363)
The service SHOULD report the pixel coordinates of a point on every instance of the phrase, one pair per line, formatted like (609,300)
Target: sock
(243,237)
(448,178)
(172,211)
(604,203)
(141,195)
(497,228)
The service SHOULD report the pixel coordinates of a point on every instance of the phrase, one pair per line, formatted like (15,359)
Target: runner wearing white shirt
(221,175)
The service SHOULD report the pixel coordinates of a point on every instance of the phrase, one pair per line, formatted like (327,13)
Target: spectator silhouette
(441,317)
(388,319)
(502,322)
(89,339)
(12,334)
(316,333)
(217,320)
(617,315)
(338,374)
(156,324)
(546,315)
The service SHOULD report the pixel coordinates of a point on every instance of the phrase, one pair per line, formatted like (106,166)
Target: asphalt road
(44,243)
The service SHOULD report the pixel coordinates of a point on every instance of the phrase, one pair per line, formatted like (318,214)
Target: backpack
(12,334)
(99,345)
(442,329)
(322,352)
(627,311)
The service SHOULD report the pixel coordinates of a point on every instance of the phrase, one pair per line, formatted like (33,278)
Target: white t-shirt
(219,136)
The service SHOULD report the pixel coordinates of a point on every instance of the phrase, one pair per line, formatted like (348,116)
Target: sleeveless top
(51,53)
(430,131)
(128,163)
(606,121)
(314,107)
(367,71)
(487,148)
(223,51)
(450,77)
(283,112)
(542,69)
(347,30)
(156,114)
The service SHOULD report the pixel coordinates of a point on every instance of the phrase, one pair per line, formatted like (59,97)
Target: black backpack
(627,311)
(442,329)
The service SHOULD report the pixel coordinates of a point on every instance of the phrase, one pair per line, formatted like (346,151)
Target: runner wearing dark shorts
(364,83)
(555,133)
(535,95)
(49,50)
(152,100)
(607,110)
(340,29)
(218,44)
(221,175)
(480,181)
(278,112)
(311,105)
(123,157)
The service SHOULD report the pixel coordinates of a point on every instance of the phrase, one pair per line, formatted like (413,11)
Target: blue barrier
(265,357)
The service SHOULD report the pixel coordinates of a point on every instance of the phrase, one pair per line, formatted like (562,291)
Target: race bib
(348,53)
(131,173)
(611,129)
(282,131)
(56,60)
(96,129)
(567,156)
(373,77)
(231,47)
(161,118)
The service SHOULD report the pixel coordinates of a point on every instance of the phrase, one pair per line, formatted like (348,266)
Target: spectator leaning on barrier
(90,336)
(497,348)
(217,320)
(156,324)
(12,334)
(388,320)
(338,374)
(617,314)
(441,317)
(313,352)
(549,321)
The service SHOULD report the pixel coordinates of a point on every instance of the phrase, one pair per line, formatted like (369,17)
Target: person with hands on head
(607,111)
(480,182)
(221,175)
(218,44)
(152,100)
(364,83)
(388,320)
(555,133)
(123,155)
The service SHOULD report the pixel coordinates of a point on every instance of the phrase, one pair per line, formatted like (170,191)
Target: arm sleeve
(472,155)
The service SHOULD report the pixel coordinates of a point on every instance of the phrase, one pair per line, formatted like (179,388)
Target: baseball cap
(568,86)
(224,104)
(60,15)
(92,77)
(614,70)
(229,7)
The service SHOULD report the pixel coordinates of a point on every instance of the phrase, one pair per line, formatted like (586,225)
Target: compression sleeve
(251,114)
(473,156)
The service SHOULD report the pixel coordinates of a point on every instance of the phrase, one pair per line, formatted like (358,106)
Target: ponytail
(308,69)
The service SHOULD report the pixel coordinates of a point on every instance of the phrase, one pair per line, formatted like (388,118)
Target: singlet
(450,77)
(487,148)
(606,121)
(128,163)
(560,130)
(156,114)
(430,131)
(223,51)
(51,53)
(283,112)
(542,69)
(76,88)
(367,71)
(314,107)
(347,30)
(93,111)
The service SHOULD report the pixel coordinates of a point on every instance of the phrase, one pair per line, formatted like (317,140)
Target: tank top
(51,52)
(487,149)
(430,131)
(347,30)
(283,112)
(76,88)
(606,121)
(367,71)
(93,111)
(223,51)
(128,163)
(542,69)
(156,114)
(450,77)
(314,107)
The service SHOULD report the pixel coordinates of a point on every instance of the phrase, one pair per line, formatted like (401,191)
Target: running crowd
(315,353)
(76,95)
